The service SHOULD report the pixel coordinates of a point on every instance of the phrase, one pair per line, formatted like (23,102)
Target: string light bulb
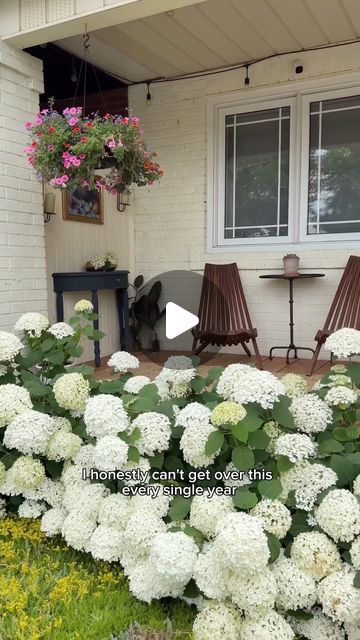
(148,95)
(247,79)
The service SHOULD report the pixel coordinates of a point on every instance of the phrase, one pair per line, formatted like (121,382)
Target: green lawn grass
(51,592)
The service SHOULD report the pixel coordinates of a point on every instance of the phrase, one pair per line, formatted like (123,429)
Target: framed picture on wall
(83,205)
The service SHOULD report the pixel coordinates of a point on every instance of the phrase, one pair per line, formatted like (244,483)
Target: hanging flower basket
(66,150)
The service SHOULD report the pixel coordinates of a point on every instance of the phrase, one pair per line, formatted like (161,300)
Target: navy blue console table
(95,281)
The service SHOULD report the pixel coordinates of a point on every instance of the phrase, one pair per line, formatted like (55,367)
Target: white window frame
(298,95)
(220,206)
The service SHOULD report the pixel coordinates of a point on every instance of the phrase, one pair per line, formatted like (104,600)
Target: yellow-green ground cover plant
(237,492)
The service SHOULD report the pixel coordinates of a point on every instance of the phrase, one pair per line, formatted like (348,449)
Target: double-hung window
(286,170)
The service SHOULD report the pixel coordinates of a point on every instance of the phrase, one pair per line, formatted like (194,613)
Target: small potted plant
(291,263)
(107,262)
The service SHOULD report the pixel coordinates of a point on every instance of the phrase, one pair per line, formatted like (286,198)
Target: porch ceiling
(218,33)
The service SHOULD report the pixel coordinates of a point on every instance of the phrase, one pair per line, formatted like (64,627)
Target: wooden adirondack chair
(345,309)
(224,318)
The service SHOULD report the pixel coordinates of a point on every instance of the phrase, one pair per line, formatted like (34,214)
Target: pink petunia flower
(28,124)
(66,111)
(76,162)
(38,120)
(73,111)
(111,143)
(73,121)
(125,120)
(135,121)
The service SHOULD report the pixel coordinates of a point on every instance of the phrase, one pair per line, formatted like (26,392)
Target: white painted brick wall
(22,246)
(170,220)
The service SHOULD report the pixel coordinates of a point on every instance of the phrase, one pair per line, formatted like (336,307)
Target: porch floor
(279,366)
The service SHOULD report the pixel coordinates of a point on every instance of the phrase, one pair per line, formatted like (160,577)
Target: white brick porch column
(22,245)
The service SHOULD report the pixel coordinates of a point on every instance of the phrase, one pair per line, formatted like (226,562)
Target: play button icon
(178,320)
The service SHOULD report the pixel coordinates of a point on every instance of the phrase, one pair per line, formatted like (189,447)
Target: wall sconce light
(123,201)
(49,206)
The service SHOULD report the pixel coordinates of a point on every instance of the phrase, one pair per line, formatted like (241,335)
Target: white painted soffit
(218,33)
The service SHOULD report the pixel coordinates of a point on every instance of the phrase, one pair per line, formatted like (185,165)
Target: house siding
(171,217)
(22,246)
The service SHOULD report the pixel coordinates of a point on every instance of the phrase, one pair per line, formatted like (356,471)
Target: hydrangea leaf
(180,508)
(258,440)
(282,414)
(240,432)
(274,546)
(245,499)
(270,488)
(214,442)
(243,458)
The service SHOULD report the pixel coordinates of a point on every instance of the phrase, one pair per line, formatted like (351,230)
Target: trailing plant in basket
(67,149)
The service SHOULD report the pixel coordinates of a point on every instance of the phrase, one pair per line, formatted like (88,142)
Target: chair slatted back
(223,309)
(345,309)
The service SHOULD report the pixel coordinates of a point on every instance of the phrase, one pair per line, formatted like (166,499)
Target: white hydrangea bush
(259,523)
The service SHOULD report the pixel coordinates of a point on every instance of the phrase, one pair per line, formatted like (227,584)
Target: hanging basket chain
(83,72)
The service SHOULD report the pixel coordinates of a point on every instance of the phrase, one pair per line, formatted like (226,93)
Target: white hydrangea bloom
(276,518)
(72,475)
(155,430)
(352,630)
(210,575)
(25,474)
(122,361)
(232,375)
(110,453)
(339,515)
(339,395)
(163,389)
(71,391)
(105,416)
(13,401)
(115,511)
(180,390)
(308,481)
(242,543)
(10,346)
(311,414)
(344,343)
(319,627)
(254,595)
(136,383)
(271,627)
(61,330)
(62,423)
(51,491)
(32,323)
(85,499)
(177,370)
(296,446)
(105,544)
(52,521)
(84,306)
(174,555)
(355,553)
(63,446)
(77,530)
(237,478)
(338,596)
(315,554)
(193,414)
(85,457)
(29,432)
(31,509)
(158,505)
(146,584)
(193,442)
(273,431)
(339,380)
(217,621)
(259,386)
(143,465)
(206,513)
(296,589)
(295,385)
(227,413)
(139,533)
